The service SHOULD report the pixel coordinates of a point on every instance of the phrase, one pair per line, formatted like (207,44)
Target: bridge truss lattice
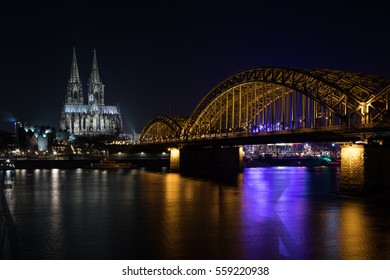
(269,99)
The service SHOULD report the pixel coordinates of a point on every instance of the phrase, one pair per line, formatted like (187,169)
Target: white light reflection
(9,245)
(55,192)
(56,236)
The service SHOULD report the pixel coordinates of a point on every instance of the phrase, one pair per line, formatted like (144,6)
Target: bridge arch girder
(163,128)
(350,97)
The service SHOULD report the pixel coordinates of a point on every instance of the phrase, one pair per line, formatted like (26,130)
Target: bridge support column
(364,168)
(197,158)
(174,159)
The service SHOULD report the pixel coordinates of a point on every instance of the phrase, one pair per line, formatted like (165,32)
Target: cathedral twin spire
(95,86)
(92,118)
(75,89)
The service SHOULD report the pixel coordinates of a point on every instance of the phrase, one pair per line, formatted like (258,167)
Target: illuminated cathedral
(91,119)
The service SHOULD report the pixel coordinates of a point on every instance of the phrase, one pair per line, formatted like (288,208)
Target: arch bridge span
(267,100)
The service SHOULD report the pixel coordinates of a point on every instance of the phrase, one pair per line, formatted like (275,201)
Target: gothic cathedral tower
(75,89)
(94,118)
(95,86)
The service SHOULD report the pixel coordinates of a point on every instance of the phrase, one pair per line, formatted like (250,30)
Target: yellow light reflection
(354,239)
(172,233)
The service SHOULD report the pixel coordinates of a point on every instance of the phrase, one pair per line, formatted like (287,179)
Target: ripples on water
(262,213)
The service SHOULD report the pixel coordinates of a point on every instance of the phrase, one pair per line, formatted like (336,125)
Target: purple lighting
(273,206)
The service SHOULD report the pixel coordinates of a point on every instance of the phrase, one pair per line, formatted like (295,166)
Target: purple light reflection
(273,212)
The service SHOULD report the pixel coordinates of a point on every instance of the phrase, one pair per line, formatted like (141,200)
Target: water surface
(262,213)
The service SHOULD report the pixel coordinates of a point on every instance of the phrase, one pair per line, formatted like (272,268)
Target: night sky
(160,58)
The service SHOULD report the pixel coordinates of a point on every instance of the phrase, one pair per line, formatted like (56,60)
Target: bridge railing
(264,133)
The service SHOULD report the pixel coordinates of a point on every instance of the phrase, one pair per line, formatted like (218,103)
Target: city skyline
(162,59)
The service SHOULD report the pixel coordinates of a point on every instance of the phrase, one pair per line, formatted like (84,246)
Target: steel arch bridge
(164,128)
(265,100)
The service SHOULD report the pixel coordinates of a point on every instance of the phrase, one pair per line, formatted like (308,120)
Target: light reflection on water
(261,213)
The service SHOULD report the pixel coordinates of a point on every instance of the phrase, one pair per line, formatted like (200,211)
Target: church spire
(75,90)
(95,86)
(95,71)
(74,74)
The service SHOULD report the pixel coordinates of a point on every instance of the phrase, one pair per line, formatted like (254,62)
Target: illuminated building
(94,118)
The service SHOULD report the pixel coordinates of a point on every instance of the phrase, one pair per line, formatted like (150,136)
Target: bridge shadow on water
(220,177)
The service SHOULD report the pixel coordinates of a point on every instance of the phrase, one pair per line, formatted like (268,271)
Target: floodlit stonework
(94,118)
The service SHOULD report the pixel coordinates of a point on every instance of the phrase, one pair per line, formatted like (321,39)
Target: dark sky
(162,57)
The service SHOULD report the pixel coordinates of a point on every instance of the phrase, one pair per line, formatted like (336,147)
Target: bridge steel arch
(163,129)
(267,99)
(277,99)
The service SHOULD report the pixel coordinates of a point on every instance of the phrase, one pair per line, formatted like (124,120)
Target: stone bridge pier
(364,168)
(210,158)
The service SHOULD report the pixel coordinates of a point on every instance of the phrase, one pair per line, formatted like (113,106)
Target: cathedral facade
(91,118)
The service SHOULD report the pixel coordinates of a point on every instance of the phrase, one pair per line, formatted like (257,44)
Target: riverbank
(158,162)
(82,163)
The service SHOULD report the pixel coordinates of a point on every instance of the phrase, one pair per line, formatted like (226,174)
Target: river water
(261,213)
